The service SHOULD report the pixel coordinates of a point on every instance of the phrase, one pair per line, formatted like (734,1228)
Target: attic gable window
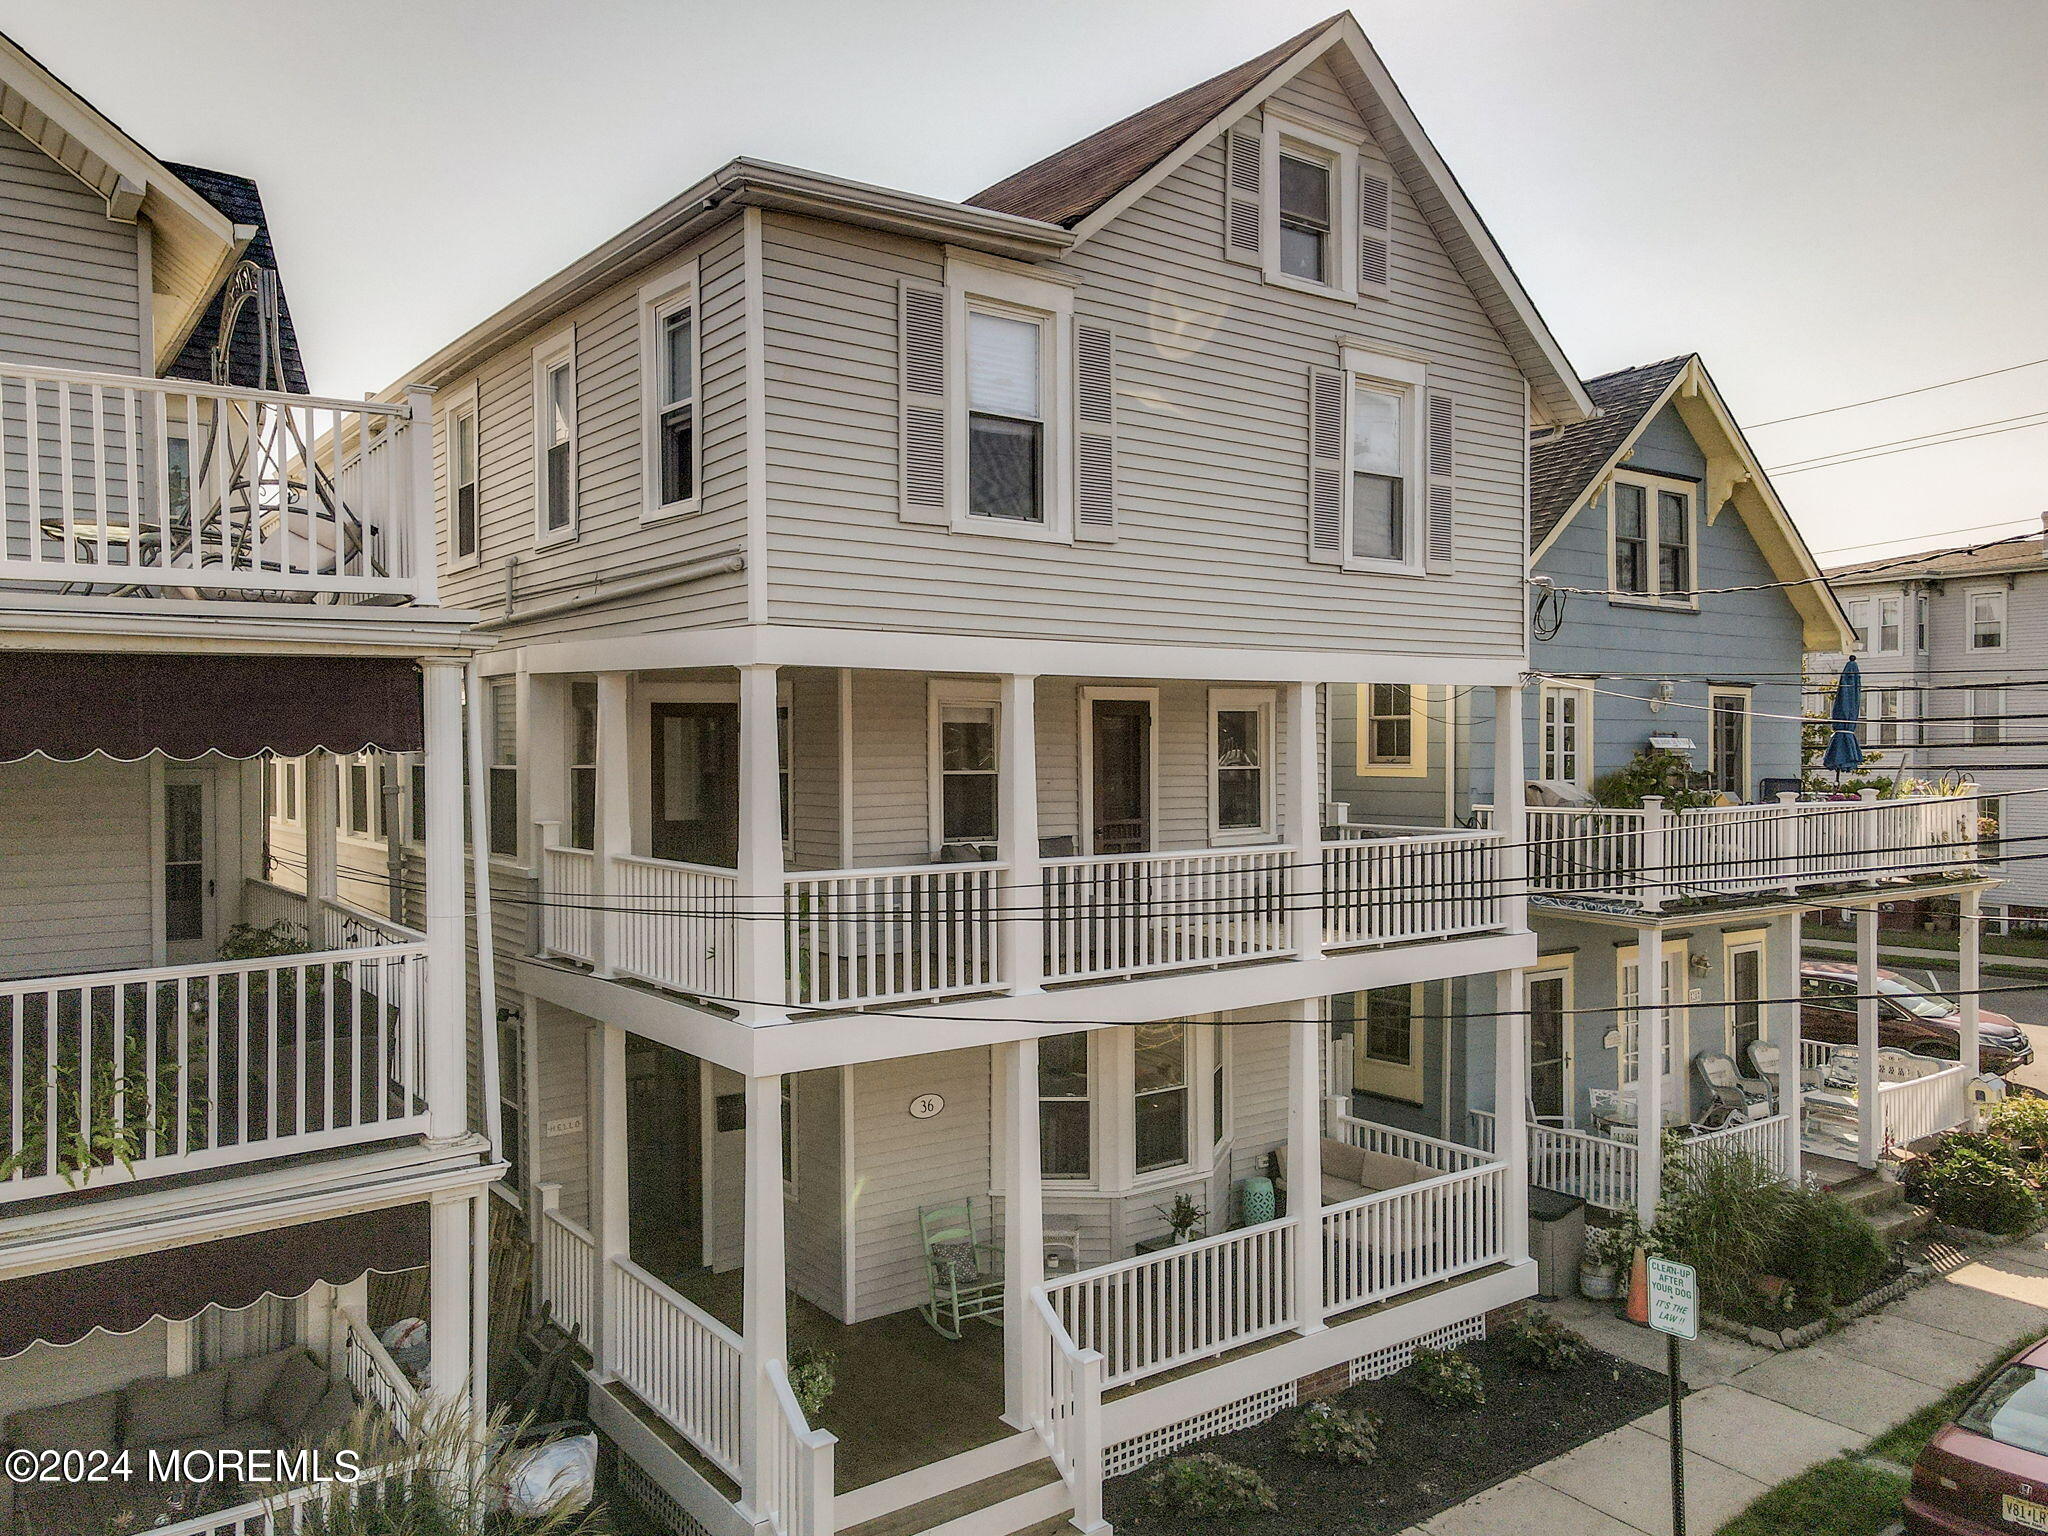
(1309,211)
(1652,554)
(1305,217)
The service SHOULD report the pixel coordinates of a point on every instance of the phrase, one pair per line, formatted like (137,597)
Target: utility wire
(1900,562)
(1970,378)
(1884,452)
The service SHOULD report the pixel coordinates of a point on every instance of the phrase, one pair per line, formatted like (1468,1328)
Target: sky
(1830,200)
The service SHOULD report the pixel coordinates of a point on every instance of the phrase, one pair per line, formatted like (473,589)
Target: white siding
(813,1233)
(562,1067)
(71,293)
(76,887)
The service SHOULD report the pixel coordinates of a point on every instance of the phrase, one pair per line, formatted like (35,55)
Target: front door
(1122,783)
(663,1158)
(695,783)
(1549,1046)
(1676,1026)
(188,872)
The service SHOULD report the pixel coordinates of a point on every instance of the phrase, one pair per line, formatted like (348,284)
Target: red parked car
(1986,1474)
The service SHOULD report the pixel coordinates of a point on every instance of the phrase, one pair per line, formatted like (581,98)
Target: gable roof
(1996,559)
(1572,465)
(1564,464)
(1088,184)
(239,200)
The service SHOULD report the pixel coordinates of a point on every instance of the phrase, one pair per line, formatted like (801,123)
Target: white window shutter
(921,333)
(1094,433)
(1242,215)
(1326,391)
(1439,545)
(1375,230)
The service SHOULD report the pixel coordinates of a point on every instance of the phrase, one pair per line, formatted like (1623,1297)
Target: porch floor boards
(906,1396)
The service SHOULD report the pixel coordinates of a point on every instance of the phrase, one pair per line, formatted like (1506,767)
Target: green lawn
(1913,938)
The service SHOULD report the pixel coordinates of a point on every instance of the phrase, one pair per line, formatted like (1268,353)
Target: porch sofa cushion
(300,1385)
(1349,1171)
(250,1381)
(90,1424)
(330,1416)
(175,1408)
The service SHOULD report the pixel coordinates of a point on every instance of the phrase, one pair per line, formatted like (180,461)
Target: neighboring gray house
(1951,644)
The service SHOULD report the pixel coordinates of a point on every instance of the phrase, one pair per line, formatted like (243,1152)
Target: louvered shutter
(1094,433)
(921,326)
(1241,216)
(1438,538)
(1326,466)
(1375,228)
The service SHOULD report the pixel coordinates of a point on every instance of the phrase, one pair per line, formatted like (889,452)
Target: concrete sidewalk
(1756,1417)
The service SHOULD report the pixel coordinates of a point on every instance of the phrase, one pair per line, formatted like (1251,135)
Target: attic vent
(924,341)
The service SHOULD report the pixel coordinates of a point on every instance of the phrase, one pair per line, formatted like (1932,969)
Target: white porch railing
(569,899)
(142,1073)
(339,925)
(138,482)
(1393,885)
(881,935)
(1160,1310)
(1128,914)
(1381,1244)
(566,1260)
(674,924)
(298,1511)
(1597,1170)
(1430,1151)
(1911,1108)
(375,1376)
(1068,1416)
(1762,1139)
(1652,856)
(796,1466)
(681,1361)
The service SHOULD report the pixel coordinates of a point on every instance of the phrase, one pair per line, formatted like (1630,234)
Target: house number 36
(926,1106)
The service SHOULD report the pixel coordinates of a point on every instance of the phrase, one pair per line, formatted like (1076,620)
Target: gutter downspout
(695,570)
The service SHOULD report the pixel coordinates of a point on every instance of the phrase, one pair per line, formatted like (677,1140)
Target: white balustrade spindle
(881,935)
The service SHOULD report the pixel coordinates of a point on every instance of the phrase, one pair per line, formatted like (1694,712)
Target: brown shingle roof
(1066,187)
(1563,463)
(1967,560)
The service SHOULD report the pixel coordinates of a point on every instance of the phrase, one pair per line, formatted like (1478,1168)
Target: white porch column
(1970,940)
(445,905)
(1023,1231)
(1781,1024)
(1650,1034)
(1019,906)
(1301,823)
(764,1304)
(1510,1107)
(449,1318)
(1305,1162)
(322,872)
(761,979)
(614,808)
(1511,807)
(610,1191)
(1869,1114)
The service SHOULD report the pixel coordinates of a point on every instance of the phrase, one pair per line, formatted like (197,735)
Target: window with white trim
(1159,1096)
(502,757)
(1651,540)
(1987,620)
(1383,468)
(554,440)
(1219,1084)
(1306,213)
(1309,209)
(1990,819)
(358,801)
(1859,611)
(1065,1121)
(582,828)
(1920,624)
(1565,719)
(1889,637)
(969,772)
(465,534)
(1240,763)
(1881,710)
(1728,739)
(1987,716)
(1006,437)
(675,407)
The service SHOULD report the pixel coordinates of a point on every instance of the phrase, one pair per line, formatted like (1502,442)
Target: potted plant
(1183,1217)
(1608,1248)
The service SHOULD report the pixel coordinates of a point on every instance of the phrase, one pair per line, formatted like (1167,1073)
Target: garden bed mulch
(1430,1457)
(1805,1324)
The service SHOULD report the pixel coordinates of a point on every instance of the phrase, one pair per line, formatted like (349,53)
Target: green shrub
(1829,1253)
(245,941)
(1970,1185)
(1445,1378)
(1327,1432)
(1724,1213)
(1205,1485)
(2022,1122)
(1541,1342)
(813,1375)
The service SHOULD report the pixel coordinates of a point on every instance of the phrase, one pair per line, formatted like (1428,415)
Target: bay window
(1159,1096)
(1005,417)
(1064,1117)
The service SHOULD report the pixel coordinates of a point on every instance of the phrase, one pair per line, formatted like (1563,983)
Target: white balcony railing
(1597,1169)
(678,1359)
(569,899)
(1911,1108)
(1382,1244)
(566,1267)
(375,1376)
(1386,885)
(674,925)
(1068,1415)
(1429,1151)
(878,935)
(147,483)
(1654,856)
(136,1074)
(1129,914)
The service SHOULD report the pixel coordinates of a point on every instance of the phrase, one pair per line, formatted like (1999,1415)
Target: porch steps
(1898,1221)
(1002,1505)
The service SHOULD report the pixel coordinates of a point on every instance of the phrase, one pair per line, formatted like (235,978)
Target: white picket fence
(1130,914)
(182,1068)
(796,1466)
(1389,885)
(566,1260)
(1382,1244)
(681,1361)
(675,925)
(1762,1139)
(130,481)
(879,935)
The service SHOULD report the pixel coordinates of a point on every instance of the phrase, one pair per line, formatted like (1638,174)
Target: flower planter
(1596,1281)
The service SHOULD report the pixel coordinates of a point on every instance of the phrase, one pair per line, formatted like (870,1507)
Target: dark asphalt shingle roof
(237,198)
(1563,463)
(1967,560)
(1066,187)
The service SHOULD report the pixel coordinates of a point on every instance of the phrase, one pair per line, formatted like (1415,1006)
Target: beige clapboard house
(915,872)
(229,1099)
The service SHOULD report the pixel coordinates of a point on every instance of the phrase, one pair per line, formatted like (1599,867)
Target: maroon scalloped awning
(62,1306)
(72,704)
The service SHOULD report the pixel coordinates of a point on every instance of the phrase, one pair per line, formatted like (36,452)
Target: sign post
(1675,1313)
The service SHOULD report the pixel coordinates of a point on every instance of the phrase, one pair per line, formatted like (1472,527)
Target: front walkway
(1757,1417)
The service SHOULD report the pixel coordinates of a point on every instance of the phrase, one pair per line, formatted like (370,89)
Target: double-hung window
(1987,716)
(1379,472)
(1240,757)
(501,726)
(1006,440)
(1307,215)
(1566,714)
(968,772)
(554,439)
(1728,739)
(1674,544)
(1882,711)
(1632,540)
(464,533)
(1652,540)
(1159,1089)
(1990,817)
(1391,709)
(671,455)
(1920,624)
(1889,610)
(1987,621)
(1064,1120)
(676,405)
(1859,623)
(583,765)
(1311,206)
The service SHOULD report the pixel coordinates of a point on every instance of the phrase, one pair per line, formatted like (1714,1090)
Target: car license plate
(2025,1513)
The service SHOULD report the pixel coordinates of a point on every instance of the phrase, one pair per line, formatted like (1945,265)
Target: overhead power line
(1905,445)
(1829,410)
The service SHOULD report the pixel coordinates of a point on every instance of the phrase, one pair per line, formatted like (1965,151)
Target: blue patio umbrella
(1845,746)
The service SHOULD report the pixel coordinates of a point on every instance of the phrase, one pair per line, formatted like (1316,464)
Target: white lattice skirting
(653,1498)
(1140,1450)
